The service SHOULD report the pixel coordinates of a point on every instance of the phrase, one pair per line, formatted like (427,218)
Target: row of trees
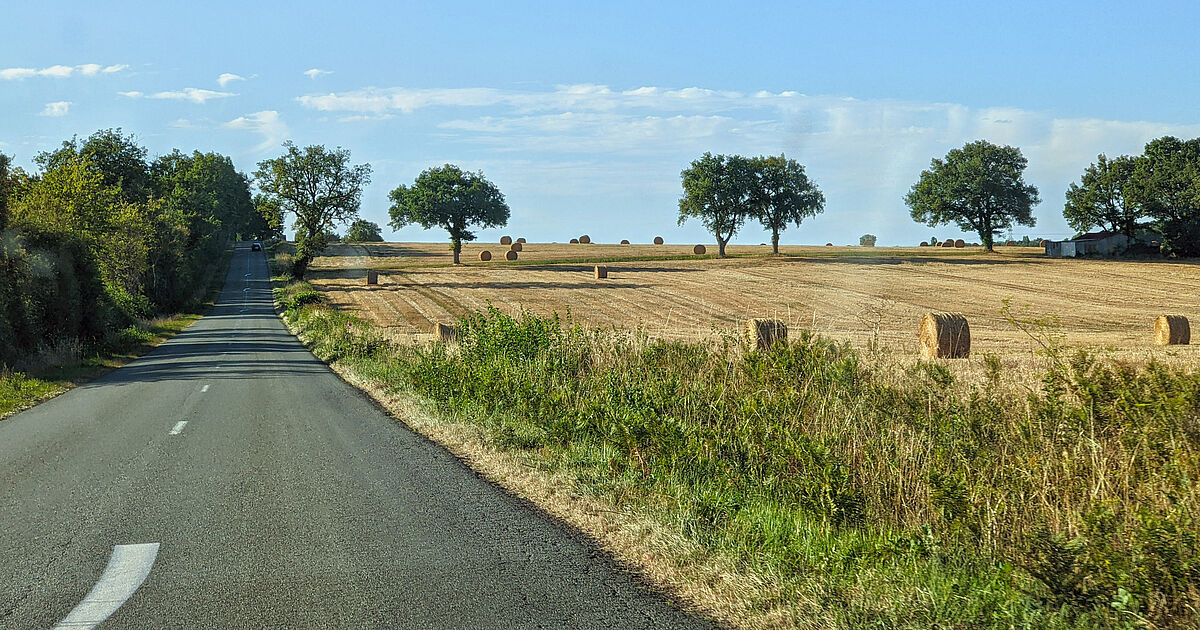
(101,235)
(723,191)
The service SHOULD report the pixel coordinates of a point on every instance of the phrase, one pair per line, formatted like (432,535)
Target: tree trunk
(456,245)
(300,266)
(775,242)
(720,247)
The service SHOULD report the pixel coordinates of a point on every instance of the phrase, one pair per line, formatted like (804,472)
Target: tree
(717,190)
(783,195)
(266,222)
(867,240)
(119,159)
(363,231)
(978,187)
(1104,198)
(1166,183)
(6,188)
(452,199)
(319,187)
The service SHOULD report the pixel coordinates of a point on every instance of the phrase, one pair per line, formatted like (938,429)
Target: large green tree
(363,231)
(718,191)
(452,199)
(1105,197)
(1167,185)
(979,187)
(783,195)
(319,187)
(118,158)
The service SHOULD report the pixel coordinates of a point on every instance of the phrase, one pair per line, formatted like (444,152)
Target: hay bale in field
(585,239)
(372,276)
(762,333)
(1172,330)
(924,244)
(506,240)
(624,241)
(485,255)
(699,249)
(516,247)
(828,244)
(945,336)
(960,243)
(601,272)
(947,243)
(446,333)
(510,255)
(658,240)
(521,240)
(574,241)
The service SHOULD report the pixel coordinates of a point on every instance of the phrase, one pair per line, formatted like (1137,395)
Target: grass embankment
(803,489)
(69,364)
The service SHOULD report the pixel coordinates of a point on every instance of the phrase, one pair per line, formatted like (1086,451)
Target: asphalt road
(287,499)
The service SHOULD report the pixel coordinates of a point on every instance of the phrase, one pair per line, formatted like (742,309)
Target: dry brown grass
(870,298)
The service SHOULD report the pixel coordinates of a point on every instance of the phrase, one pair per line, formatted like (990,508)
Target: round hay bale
(521,240)
(585,239)
(960,243)
(445,333)
(828,244)
(764,333)
(574,241)
(516,247)
(658,240)
(372,276)
(699,249)
(945,336)
(601,272)
(947,243)
(624,241)
(924,244)
(1172,330)
(485,255)
(1010,243)
(510,255)
(506,240)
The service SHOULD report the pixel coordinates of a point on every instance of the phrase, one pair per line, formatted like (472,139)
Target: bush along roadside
(866,500)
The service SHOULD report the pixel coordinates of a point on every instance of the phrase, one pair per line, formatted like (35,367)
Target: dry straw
(763,333)
(601,272)
(960,243)
(510,255)
(516,247)
(699,249)
(658,240)
(445,333)
(506,240)
(485,255)
(1172,330)
(945,336)
(372,276)
(585,239)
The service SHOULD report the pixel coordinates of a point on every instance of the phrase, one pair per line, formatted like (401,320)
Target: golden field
(860,295)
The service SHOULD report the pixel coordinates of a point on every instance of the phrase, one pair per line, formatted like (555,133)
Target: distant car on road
(256,247)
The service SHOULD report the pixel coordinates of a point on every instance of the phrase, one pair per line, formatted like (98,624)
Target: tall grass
(879,500)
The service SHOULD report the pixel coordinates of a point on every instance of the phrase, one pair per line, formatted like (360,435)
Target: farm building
(1094,244)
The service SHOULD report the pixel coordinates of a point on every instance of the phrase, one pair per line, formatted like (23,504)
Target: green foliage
(1167,186)
(1105,198)
(783,195)
(719,191)
(452,199)
(363,231)
(867,240)
(979,188)
(319,187)
(18,391)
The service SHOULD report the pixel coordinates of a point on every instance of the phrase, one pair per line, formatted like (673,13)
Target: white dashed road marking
(126,570)
(179,427)
(204,389)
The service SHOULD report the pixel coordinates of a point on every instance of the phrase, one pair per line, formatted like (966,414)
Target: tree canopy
(363,231)
(319,187)
(1167,185)
(783,195)
(1105,197)
(979,187)
(452,199)
(718,190)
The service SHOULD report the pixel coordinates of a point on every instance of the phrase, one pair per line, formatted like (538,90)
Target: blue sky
(584,113)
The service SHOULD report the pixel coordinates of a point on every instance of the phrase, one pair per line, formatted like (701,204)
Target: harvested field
(873,296)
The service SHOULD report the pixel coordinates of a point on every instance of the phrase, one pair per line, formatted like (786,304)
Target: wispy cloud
(59,72)
(227,78)
(195,95)
(56,109)
(267,124)
(313,73)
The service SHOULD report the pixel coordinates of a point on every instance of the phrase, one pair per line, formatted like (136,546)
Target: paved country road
(228,479)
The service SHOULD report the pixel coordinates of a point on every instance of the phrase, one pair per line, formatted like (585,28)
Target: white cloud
(56,109)
(313,73)
(267,124)
(195,95)
(227,78)
(58,71)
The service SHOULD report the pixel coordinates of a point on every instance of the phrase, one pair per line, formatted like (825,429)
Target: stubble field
(871,297)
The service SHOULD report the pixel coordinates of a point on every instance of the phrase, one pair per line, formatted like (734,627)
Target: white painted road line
(204,389)
(178,427)
(126,570)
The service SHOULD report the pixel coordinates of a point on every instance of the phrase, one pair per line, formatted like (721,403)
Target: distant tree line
(101,235)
